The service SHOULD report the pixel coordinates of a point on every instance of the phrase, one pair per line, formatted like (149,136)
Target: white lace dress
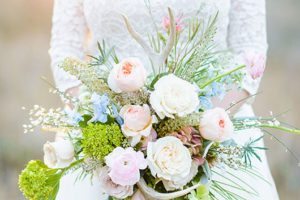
(79,24)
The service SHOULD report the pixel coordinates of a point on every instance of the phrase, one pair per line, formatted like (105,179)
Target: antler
(157,59)
(154,195)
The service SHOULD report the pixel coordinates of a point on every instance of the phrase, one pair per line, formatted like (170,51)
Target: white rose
(169,159)
(112,189)
(173,95)
(216,125)
(173,185)
(58,154)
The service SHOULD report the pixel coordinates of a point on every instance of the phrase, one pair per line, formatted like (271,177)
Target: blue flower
(74,116)
(217,89)
(116,115)
(205,102)
(100,106)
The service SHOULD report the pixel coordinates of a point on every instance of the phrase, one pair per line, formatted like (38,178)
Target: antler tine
(139,39)
(157,60)
(171,39)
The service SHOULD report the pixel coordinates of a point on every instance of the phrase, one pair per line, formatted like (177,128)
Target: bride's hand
(231,97)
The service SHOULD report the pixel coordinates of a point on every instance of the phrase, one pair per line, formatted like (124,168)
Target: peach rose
(127,76)
(137,122)
(216,125)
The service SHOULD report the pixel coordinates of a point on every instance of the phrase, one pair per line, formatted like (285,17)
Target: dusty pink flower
(112,189)
(125,165)
(151,138)
(127,76)
(216,125)
(199,160)
(190,137)
(178,22)
(255,64)
(137,122)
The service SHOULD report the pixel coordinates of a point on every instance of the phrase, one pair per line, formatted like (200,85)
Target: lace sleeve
(68,34)
(247,33)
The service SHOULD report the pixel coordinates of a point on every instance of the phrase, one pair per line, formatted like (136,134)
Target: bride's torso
(104,20)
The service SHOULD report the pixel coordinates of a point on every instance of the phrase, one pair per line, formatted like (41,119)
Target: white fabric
(86,189)
(241,27)
(79,24)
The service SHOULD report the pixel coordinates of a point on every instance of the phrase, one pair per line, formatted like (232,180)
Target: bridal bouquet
(149,135)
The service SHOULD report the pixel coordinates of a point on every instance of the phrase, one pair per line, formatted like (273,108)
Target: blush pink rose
(127,76)
(112,189)
(255,64)
(216,125)
(137,122)
(125,166)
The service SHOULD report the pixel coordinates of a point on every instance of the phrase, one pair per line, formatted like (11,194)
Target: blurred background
(24,43)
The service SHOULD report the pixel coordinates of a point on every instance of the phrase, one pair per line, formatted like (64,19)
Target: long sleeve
(68,35)
(247,33)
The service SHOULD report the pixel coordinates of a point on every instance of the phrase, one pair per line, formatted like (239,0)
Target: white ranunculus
(58,154)
(174,96)
(169,159)
(173,185)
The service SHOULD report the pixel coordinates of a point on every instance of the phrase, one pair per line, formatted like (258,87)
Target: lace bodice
(79,24)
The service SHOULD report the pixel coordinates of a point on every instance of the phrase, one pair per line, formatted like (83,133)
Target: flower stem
(281,128)
(66,169)
(222,75)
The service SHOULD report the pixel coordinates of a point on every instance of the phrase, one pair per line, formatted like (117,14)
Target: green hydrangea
(38,182)
(101,139)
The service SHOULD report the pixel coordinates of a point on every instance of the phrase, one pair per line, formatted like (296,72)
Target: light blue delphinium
(217,89)
(116,115)
(73,116)
(205,102)
(100,106)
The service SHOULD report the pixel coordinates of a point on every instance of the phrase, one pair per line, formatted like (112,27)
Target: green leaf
(84,122)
